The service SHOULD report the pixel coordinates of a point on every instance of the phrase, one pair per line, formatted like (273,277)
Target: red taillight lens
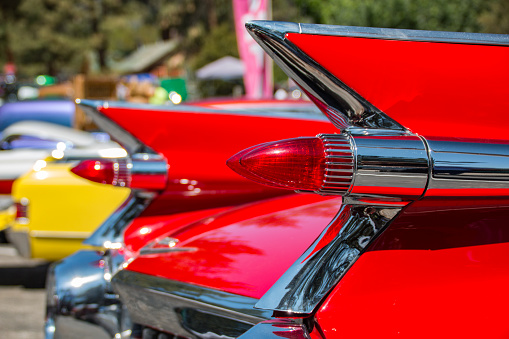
(104,171)
(296,164)
(21,210)
(146,172)
(323,164)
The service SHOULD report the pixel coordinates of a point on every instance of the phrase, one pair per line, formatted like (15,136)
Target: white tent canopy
(226,68)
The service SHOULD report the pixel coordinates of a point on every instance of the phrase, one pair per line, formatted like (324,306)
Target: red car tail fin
(396,79)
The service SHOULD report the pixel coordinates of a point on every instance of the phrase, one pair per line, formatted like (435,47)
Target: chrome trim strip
(264,111)
(302,287)
(345,107)
(111,230)
(60,234)
(277,27)
(276,329)
(158,303)
(164,245)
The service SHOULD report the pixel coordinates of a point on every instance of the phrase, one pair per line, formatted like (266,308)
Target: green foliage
(127,29)
(496,18)
(50,35)
(451,15)
(219,43)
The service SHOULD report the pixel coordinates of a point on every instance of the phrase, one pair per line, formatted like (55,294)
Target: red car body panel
(406,80)
(441,263)
(197,144)
(266,237)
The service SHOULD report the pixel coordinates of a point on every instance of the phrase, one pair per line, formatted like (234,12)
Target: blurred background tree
(451,15)
(496,19)
(61,37)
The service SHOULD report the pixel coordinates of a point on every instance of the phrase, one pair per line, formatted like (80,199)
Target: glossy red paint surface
(440,270)
(431,88)
(143,230)
(243,250)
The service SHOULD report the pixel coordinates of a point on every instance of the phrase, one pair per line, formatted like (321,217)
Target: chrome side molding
(276,329)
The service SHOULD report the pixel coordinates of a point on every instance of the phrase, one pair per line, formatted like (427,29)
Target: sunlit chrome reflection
(168,241)
(127,262)
(112,245)
(112,153)
(77,282)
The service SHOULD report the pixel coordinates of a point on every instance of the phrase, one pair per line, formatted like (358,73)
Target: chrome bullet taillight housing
(371,164)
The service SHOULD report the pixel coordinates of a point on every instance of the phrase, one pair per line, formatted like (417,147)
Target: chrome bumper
(21,242)
(80,302)
(186,310)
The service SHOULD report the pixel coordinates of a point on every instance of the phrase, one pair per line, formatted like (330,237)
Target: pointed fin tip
(272,27)
(91,103)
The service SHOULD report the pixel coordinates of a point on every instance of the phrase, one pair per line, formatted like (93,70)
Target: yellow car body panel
(62,210)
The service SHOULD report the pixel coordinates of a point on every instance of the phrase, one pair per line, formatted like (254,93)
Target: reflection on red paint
(143,230)
(244,251)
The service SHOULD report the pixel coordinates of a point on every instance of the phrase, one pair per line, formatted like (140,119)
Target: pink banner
(257,65)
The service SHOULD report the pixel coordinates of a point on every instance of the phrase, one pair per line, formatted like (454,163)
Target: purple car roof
(59,112)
